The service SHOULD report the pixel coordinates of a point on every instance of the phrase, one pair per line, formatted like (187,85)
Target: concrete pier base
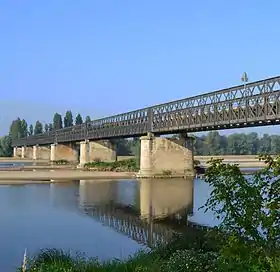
(91,151)
(162,157)
(26,152)
(67,152)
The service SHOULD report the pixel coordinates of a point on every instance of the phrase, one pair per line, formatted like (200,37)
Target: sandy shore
(24,177)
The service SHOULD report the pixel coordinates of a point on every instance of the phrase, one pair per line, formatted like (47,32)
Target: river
(99,218)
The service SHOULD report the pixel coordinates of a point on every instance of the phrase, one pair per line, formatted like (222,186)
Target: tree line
(19,127)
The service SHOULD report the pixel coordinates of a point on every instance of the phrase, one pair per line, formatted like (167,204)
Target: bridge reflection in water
(138,209)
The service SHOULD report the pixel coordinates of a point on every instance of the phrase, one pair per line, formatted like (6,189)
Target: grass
(187,249)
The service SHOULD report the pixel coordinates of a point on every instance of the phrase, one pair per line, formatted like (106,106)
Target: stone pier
(26,152)
(162,157)
(67,152)
(18,152)
(103,150)
(15,151)
(41,152)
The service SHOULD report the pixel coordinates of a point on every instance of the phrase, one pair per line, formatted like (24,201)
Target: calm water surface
(100,218)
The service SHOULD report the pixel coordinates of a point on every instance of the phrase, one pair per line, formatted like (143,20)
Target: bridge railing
(243,105)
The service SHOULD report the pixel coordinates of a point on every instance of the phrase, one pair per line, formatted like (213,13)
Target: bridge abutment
(103,150)
(162,157)
(67,152)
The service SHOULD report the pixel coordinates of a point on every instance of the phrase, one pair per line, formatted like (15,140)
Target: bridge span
(249,105)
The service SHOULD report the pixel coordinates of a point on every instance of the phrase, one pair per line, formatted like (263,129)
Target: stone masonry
(67,152)
(103,150)
(166,157)
(41,152)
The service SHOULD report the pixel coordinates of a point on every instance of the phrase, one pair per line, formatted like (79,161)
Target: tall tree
(38,128)
(31,130)
(79,119)
(88,119)
(57,121)
(16,129)
(50,126)
(24,128)
(46,128)
(68,119)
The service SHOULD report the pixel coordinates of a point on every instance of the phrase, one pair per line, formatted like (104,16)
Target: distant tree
(275,144)
(123,147)
(46,128)
(31,130)
(265,144)
(38,128)
(87,119)
(68,119)
(50,126)
(24,128)
(16,129)
(57,121)
(79,119)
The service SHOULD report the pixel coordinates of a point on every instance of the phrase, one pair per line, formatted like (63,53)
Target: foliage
(88,119)
(31,130)
(57,121)
(6,149)
(167,172)
(61,162)
(249,213)
(236,144)
(68,119)
(191,260)
(24,128)
(46,128)
(79,119)
(16,129)
(38,128)
(129,165)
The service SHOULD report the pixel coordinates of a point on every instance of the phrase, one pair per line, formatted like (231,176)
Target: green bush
(191,260)
(129,165)
(61,162)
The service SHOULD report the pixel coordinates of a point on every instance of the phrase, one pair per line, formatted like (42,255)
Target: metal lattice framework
(254,104)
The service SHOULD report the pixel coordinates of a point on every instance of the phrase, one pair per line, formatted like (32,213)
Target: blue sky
(102,57)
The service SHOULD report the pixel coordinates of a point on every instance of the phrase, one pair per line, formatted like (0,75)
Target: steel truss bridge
(250,105)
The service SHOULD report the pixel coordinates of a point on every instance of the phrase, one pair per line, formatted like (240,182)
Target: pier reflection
(140,209)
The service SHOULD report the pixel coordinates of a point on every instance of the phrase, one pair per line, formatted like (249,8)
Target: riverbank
(184,251)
